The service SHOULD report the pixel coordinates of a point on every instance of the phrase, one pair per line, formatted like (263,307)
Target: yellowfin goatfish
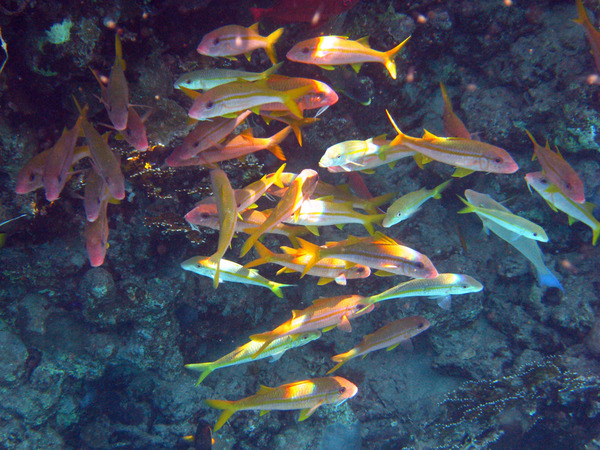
(353,151)
(559,171)
(209,78)
(527,247)
(512,222)
(306,395)
(390,336)
(320,212)
(233,40)
(328,51)
(378,252)
(96,236)
(227,208)
(465,154)
(232,272)
(231,98)
(557,200)
(453,126)
(299,191)
(205,134)
(243,354)
(135,131)
(324,313)
(95,193)
(327,269)
(442,286)
(410,203)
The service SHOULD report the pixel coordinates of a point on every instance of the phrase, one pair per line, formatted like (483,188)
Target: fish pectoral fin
(356,67)
(326,67)
(445,302)
(322,281)
(341,279)
(461,172)
(344,324)
(275,357)
(263,412)
(384,273)
(329,328)
(306,413)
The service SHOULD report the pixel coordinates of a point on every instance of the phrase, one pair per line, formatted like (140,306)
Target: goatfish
(378,252)
(558,171)
(557,200)
(135,131)
(390,156)
(104,159)
(240,146)
(329,51)
(96,236)
(59,162)
(306,395)
(527,247)
(115,96)
(298,191)
(453,126)
(315,213)
(353,151)
(324,313)
(327,269)
(207,216)
(95,193)
(243,354)
(442,286)
(466,155)
(593,35)
(233,40)
(227,209)
(508,220)
(389,336)
(231,98)
(410,203)
(232,272)
(205,135)
(202,80)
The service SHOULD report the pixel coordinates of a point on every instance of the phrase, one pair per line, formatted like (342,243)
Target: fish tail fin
(251,241)
(263,252)
(447,102)
(398,139)
(469,208)
(276,288)
(313,251)
(370,220)
(289,99)
(271,70)
(340,359)
(228,407)
(389,56)
(583,17)
(205,368)
(270,48)
(595,234)
(275,140)
(548,279)
(437,191)
(119,51)
(277,177)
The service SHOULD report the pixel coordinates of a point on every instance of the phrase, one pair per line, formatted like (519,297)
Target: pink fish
(29,177)
(96,193)
(135,131)
(96,237)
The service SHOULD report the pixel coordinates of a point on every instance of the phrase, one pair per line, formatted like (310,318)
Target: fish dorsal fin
(364,41)
(344,324)
(189,92)
(429,136)
(306,413)
(254,27)
(380,137)
(321,301)
(380,238)
(295,313)
(264,389)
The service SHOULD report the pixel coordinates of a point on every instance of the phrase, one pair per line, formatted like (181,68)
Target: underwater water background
(94,357)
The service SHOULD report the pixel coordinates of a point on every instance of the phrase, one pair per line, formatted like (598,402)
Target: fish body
(324,313)
(319,212)
(557,200)
(230,271)
(327,269)
(527,247)
(135,131)
(508,220)
(465,154)
(243,354)
(96,236)
(59,162)
(299,191)
(388,336)
(410,203)
(233,40)
(231,98)
(311,11)
(593,35)
(378,252)
(206,134)
(116,95)
(206,79)
(306,395)
(242,145)
(453,126)
(227,209)
(559,171)
(443,285)
(335,50)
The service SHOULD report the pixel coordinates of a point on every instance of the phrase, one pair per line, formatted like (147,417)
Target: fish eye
(464,286)
(305,50)
(31,176)
(196,144)
(497,160)
(535,234)
(342,390)
(204,215)
(568,186)
(420,325)
(216,41)
(360,270)
(419,265)
(210,104)
(359,307)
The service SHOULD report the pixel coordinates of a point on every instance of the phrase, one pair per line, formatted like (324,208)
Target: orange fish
(453,126)
(559,171)
(593,35)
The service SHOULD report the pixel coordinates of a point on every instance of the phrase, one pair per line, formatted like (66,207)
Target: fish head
(422,267)
(321,96)
(333,156)
(416,324)
(396,213)
(460,284)
(304,51)
(346,389)
(206,215)
(305,338)
(500,162)
(135,131)
(360,307)
(215,44)
(202,265)
(205,106)
(572,187)
(358,271)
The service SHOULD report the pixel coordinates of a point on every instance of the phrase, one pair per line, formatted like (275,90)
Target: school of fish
(300,202)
